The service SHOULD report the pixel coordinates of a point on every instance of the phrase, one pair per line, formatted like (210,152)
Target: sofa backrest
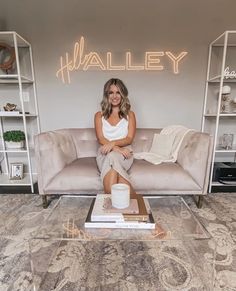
(86,143)
(143,139)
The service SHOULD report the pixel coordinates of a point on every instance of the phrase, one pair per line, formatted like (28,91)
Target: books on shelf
(102,215)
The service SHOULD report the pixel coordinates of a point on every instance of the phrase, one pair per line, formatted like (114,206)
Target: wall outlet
(25,96)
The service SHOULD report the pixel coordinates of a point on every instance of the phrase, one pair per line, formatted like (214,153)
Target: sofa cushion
(162,145)
(166,176)
(81,175)
(143,139)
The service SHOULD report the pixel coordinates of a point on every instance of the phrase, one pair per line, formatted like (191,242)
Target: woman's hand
(127,153)
(106,148)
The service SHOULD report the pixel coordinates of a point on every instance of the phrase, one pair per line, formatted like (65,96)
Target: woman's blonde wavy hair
(124,103)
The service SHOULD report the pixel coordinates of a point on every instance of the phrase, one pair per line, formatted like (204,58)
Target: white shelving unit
(18,86)
(221,59)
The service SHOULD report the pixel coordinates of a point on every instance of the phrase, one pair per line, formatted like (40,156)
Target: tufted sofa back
(86,145)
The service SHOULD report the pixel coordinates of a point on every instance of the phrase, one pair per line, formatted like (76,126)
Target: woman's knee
(113,155)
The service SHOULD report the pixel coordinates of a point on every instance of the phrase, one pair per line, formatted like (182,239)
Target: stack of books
(102,215)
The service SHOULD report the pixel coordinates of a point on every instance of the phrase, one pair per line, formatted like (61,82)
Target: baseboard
(18,189)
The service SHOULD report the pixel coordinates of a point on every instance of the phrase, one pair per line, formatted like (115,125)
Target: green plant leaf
(14,135)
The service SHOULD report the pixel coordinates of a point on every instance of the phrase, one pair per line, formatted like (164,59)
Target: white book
(120,224)
(132,224)
(103,210)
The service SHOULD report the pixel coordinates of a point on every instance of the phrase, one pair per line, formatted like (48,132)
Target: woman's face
(114,95)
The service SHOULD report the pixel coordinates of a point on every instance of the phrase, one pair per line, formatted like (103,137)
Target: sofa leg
(199,202)
(45,201)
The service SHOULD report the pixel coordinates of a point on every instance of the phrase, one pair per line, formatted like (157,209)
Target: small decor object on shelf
(225,99)
(16,171)
(14,139)
(10,107)
(227,141)
(7,57)
(234,104)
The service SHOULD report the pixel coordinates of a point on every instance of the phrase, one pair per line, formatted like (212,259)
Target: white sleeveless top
(114,132)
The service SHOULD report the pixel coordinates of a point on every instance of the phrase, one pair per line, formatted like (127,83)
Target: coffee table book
(98,217)
(103,210)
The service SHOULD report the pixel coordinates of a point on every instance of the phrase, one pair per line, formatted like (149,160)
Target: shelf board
(13,151)
(214,79)
(227,114)
(215,183)
(13,79)
(5,181)
(217,79)
(210,115)
(225,151)
(222,150)
(221,114)
(224,81)
(7,36)
(4,114)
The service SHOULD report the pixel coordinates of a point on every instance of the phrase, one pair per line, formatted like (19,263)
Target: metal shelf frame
(18,79)
(223,42)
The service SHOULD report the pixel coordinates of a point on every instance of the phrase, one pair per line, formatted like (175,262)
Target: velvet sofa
(66,164)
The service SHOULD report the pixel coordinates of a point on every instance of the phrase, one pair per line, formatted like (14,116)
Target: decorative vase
(227,141)
(225,103)
(14,144)
(225,99)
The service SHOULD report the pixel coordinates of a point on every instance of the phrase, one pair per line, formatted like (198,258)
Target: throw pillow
(162,145)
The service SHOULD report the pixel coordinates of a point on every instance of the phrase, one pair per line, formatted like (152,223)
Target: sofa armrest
(195,157)
(53,150)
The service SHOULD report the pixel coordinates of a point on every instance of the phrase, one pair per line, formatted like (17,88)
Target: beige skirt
(116,161)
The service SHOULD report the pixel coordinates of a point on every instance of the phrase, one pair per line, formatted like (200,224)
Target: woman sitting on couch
(115,127)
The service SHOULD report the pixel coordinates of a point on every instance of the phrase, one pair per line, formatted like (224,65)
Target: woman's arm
(98,129)
(131,132)
(109,145)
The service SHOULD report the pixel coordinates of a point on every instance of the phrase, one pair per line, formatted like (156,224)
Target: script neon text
(79,60)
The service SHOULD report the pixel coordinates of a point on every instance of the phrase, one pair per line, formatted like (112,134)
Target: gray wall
(158,98)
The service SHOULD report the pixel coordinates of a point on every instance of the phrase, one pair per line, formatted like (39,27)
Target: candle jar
(120,195)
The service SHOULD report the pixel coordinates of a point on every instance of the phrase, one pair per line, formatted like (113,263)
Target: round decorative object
(9,107)
(226,89)
(7,56)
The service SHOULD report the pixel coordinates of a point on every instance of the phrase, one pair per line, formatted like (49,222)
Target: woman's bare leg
(110,179)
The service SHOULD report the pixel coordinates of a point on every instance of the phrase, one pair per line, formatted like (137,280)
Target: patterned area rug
(104,266)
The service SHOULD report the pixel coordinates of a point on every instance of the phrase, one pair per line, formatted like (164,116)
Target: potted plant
(14,139)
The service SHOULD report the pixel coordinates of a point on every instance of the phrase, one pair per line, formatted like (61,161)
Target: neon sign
(81,61)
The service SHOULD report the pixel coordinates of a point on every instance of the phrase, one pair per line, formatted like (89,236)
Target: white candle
(120,195)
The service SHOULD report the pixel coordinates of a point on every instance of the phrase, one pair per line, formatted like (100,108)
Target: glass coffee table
(174,256)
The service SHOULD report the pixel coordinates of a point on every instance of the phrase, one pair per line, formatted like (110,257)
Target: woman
(115,128)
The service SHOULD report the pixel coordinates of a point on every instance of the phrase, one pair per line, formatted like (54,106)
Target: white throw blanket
(165,146)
